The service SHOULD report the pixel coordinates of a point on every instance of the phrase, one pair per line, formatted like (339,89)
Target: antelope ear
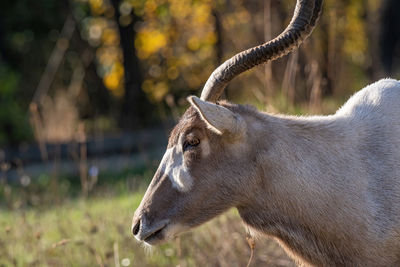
(218,118)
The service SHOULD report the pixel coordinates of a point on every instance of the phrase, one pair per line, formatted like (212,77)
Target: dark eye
(191,143)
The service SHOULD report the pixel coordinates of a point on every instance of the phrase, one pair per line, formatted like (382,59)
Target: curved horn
(303,22)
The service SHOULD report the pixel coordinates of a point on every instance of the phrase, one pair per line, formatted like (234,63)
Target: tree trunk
(136,108)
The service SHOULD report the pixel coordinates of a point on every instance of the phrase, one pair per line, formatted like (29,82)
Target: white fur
(174,166)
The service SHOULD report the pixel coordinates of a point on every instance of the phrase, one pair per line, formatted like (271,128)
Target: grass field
(96,232)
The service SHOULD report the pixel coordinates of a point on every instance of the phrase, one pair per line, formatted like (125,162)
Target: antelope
(327,188)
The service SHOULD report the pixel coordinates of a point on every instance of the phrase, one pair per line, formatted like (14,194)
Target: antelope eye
(191,143)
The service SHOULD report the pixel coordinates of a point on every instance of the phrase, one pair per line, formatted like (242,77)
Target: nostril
(135,228)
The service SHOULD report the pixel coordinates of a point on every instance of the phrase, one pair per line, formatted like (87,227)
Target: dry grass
(97,232)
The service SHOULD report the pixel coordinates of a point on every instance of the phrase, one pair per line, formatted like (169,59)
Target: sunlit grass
(97,232)
(76,232)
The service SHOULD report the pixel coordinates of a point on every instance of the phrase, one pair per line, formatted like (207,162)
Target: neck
(295,198)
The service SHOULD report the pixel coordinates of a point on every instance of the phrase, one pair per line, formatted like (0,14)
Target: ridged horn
(300,27)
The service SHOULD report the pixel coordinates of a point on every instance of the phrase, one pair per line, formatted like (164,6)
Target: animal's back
(372,119)
(380,100)
(372,116)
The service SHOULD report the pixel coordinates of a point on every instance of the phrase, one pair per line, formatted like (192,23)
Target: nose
(142,230)
(135,225)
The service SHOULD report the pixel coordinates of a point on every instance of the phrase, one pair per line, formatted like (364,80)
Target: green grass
(96,232)
(50,223)
(79,232)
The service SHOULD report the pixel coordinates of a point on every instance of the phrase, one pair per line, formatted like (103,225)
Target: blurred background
(89,90)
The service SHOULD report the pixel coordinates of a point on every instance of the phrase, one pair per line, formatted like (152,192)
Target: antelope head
(208,166)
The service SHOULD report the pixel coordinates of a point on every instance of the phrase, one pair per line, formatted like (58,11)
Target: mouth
(156,237)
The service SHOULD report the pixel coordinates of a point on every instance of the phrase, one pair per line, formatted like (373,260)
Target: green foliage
(13,118)
(27,33)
